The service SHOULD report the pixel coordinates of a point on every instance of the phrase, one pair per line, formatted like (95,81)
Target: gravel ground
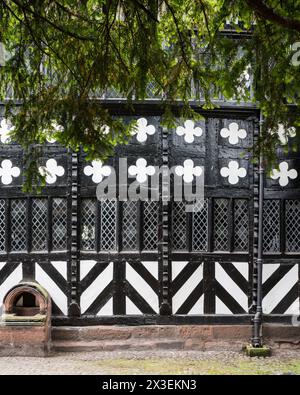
(154,362)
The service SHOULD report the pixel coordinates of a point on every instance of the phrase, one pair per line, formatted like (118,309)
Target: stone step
(138,345)
(146,332)
(177,337)
(149,337)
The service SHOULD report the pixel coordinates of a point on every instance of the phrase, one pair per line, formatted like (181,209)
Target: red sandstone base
(30,341)
(182,337)
(24,341)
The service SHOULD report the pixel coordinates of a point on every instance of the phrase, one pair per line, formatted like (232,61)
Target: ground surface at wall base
(184,337)
(25,350)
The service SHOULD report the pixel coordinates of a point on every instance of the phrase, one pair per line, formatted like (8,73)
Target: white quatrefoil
(5,129)
(189,131)
(284,174)
(233,172)
(284,134)
(233,133)
(188,171)
(55,128)
(51,171)
(141,170)
(7,172)
(245,81)
(105,129)
(142,130)
(97,171)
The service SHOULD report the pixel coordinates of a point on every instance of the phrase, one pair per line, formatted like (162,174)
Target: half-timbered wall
(281,236)
(151,261)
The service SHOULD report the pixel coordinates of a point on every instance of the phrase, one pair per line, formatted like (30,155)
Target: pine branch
(54,25)
(267,13)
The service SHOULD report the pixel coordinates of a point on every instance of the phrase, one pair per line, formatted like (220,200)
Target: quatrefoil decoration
(105,129)
(51,171)
(284,174)
(245,81)
(142,130)
(141,171)
(233,133)
(284,134)
(247,77)
(97,171)
(234,172)
(189,131)
(54,129)
(188,171)
(8,171)
(5,129)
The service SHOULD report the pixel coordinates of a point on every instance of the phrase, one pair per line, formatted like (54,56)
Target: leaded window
(108,225)
(221,224)
(292,220)
(129,225)
(179,224)
(59,224)
(271,227)
(39,216)
(88,224)
(18,225)
(241,225)
(150,225)
(200,226)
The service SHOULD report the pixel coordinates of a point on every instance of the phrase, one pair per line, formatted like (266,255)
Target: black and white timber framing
(122,262)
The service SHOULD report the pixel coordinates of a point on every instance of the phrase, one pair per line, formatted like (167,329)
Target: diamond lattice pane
(59,224)
(221,225)
(200,226)
(88,223)
(112,93)
(292,220)
(241,225)
(108,225)
(129,226)
(179,226)
(39,224)
(152,90)
(150,225)
(18,225)
(271,227)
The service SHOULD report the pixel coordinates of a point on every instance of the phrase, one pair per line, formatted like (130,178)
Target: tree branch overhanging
(56,26)
(268,13)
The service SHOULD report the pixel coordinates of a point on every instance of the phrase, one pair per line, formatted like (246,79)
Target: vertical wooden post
(74,308)
(164,242)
